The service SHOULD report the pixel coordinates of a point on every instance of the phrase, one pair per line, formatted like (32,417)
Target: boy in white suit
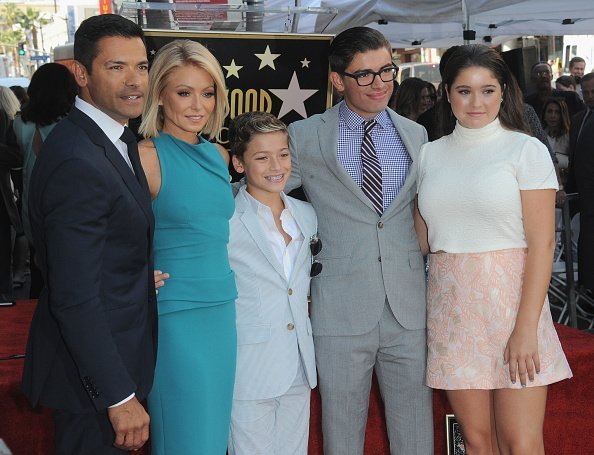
(272,238)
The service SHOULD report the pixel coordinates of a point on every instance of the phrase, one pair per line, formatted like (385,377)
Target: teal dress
(190,403)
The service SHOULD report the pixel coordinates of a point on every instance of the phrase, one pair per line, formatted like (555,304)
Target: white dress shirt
(286,254)
(112,129)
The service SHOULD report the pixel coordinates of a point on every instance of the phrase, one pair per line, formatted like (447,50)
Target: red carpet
(25,431)
(569,424)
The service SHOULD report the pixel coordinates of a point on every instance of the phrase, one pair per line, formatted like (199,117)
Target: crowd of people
(175,304)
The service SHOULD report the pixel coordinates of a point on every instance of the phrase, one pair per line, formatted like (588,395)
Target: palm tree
(30,20)
(10,35)
(11,14)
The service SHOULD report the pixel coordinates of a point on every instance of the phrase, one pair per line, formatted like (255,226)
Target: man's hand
(130,422)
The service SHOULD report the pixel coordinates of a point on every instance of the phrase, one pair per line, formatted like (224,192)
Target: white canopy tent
(440,23)
(517,18)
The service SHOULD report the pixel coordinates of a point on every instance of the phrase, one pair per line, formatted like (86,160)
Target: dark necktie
(129,138)
(371,169)
(587,117)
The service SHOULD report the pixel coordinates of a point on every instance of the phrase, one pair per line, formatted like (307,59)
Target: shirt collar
(258,206)
(112,129)
(353,121)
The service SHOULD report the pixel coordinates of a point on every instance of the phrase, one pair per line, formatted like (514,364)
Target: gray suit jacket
(365,258)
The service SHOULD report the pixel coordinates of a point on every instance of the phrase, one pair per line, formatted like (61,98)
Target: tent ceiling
(440,22)
(433,21)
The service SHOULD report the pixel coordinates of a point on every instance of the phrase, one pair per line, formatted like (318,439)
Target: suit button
(290,291)
(290,326)
(380,225)
(379,258)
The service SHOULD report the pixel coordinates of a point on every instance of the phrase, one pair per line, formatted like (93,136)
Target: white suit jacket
(273,327)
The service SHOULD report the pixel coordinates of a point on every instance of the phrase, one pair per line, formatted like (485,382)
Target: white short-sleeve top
(469,185)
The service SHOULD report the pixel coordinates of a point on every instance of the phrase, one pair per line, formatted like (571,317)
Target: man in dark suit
(541,76)
(92,343)
(10,218)
(581,179)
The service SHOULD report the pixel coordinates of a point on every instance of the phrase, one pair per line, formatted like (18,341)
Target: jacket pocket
(252,334)
(335,266)
(415,260)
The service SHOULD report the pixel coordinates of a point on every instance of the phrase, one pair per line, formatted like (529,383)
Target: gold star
(267,59)
(232,69)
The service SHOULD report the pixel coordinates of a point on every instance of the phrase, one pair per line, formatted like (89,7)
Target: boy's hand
(160,278)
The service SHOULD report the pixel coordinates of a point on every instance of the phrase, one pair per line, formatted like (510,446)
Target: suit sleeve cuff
(125,400)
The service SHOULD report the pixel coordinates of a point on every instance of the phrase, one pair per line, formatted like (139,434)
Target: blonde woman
(190,403)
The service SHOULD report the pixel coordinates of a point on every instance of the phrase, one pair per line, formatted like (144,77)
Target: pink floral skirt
(472,303)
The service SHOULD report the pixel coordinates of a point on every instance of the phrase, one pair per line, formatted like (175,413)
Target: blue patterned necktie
(371,169)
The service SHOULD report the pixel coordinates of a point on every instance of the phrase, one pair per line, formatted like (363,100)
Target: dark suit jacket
(92,340)
(572,99)
(9,158)
(581,180)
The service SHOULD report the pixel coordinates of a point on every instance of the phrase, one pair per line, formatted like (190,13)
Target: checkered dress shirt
(391,152)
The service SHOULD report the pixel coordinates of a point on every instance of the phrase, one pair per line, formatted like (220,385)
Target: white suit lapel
(252,225)
(307,230)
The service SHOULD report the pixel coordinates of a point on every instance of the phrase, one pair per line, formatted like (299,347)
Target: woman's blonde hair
(9,103)
(174,55)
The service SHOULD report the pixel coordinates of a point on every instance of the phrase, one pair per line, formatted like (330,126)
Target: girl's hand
(521,353)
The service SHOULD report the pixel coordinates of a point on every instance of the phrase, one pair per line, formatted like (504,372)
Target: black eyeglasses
(364,78)
(315,246)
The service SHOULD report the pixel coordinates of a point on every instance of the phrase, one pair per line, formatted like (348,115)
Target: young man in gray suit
(356,163)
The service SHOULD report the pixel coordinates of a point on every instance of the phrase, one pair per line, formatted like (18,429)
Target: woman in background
(51,95)
(431,98)
(20,93)
(20,248)
(9,214)
(190,402)
(412,98)
(555,119)
(491,341)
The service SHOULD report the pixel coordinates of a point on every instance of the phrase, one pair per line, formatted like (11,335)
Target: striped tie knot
(368,126)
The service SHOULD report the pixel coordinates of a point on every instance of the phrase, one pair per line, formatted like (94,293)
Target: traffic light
(21,48)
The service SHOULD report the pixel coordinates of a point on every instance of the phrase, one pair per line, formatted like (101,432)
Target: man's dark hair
(94,28)
(51,94)
(353,41)
(587,77)
(566,81)
(540,63)
(575,60)
(20,93)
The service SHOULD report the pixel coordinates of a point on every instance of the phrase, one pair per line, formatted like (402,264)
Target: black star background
(242,48)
